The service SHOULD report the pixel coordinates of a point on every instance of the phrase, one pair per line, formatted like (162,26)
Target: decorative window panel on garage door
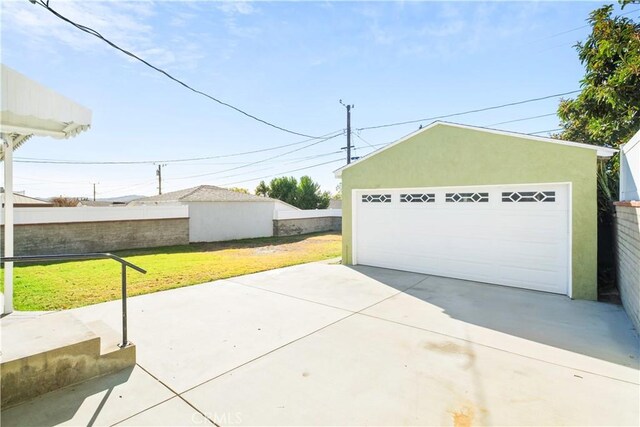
(513,235)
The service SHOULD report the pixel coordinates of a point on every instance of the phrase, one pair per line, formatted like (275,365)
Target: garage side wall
(220,221)
(449,156)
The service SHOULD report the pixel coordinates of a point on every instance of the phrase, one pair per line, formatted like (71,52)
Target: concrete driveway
(322,344)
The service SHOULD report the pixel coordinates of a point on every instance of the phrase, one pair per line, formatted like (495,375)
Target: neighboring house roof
(26,201)
(100,203)
(202,193)
(601,151)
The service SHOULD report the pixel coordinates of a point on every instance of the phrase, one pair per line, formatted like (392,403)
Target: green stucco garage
(477,204)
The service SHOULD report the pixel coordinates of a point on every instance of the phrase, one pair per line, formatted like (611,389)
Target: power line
(282,173)
(141,162)
(363,140)
(479,110)
(120,187)
(523,119)
(271,167)
(129,187)
(578,28)
(545,131)
(91,31)
(259,161)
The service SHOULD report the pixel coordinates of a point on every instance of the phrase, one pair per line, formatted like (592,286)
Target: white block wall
(628,251)
(220,221)
(51,215)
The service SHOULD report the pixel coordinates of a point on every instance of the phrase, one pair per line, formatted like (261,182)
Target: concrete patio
(324,344)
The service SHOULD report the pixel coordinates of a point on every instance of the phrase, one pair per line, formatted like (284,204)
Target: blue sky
(286,62)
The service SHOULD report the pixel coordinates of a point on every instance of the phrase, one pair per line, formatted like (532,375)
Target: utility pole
(94,190)
(159,175)
(348,107)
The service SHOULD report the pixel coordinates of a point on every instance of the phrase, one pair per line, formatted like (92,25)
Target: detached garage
(477,204)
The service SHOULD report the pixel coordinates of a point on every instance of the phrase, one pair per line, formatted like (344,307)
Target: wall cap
(628,203)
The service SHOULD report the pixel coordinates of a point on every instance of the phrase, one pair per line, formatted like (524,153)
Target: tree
(310,196)
(262,189)
(65,202)
(305,195)
(239,190)
(285,189)
(606,112)
(338,195)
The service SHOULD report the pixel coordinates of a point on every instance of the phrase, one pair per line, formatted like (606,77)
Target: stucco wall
(83,237)
(296,226)
(451,156)
(628,258)
(220,221)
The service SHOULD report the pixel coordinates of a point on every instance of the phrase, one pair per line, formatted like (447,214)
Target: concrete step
(54,351)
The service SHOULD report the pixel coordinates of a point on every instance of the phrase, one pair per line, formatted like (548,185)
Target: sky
(288,63)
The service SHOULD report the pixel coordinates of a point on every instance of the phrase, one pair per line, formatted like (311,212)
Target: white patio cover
(29,109)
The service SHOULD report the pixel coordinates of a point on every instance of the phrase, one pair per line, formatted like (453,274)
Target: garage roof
(604,152)
(202,193)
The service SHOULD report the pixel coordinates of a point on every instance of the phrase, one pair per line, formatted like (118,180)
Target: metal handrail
(100,255)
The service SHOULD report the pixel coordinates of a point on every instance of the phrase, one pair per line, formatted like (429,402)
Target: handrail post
(47,258)
(124,307)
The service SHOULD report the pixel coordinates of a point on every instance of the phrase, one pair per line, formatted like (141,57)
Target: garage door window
(376,198)
(467,197)
(418,198)
(529,196)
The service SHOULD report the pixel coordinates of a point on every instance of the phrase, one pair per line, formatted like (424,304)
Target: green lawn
(62,285)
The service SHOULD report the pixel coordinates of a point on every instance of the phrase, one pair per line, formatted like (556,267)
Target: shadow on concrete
(64,403)
(594,329)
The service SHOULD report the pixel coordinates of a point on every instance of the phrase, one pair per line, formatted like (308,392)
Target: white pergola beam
(31,131)
(7,140)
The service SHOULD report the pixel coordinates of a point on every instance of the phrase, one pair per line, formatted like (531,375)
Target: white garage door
(514,235)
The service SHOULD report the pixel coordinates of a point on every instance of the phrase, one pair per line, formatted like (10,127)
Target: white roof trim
(601,151)
(635,139)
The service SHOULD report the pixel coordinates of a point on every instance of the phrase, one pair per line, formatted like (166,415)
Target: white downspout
(8,222)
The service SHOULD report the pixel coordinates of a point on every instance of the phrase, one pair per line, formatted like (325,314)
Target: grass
(63,285)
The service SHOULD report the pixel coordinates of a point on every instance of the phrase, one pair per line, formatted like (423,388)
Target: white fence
(95,214)
(301,214)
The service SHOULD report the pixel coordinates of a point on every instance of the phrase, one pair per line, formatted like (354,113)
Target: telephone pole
(94,190)
(159,175)
(348,107)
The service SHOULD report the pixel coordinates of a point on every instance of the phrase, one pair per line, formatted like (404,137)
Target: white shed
(217,214)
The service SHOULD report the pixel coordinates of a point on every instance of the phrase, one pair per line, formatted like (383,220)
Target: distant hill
(120,199)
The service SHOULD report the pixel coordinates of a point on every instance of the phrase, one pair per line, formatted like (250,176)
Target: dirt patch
(463,418)
(449,347)
(268,250)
